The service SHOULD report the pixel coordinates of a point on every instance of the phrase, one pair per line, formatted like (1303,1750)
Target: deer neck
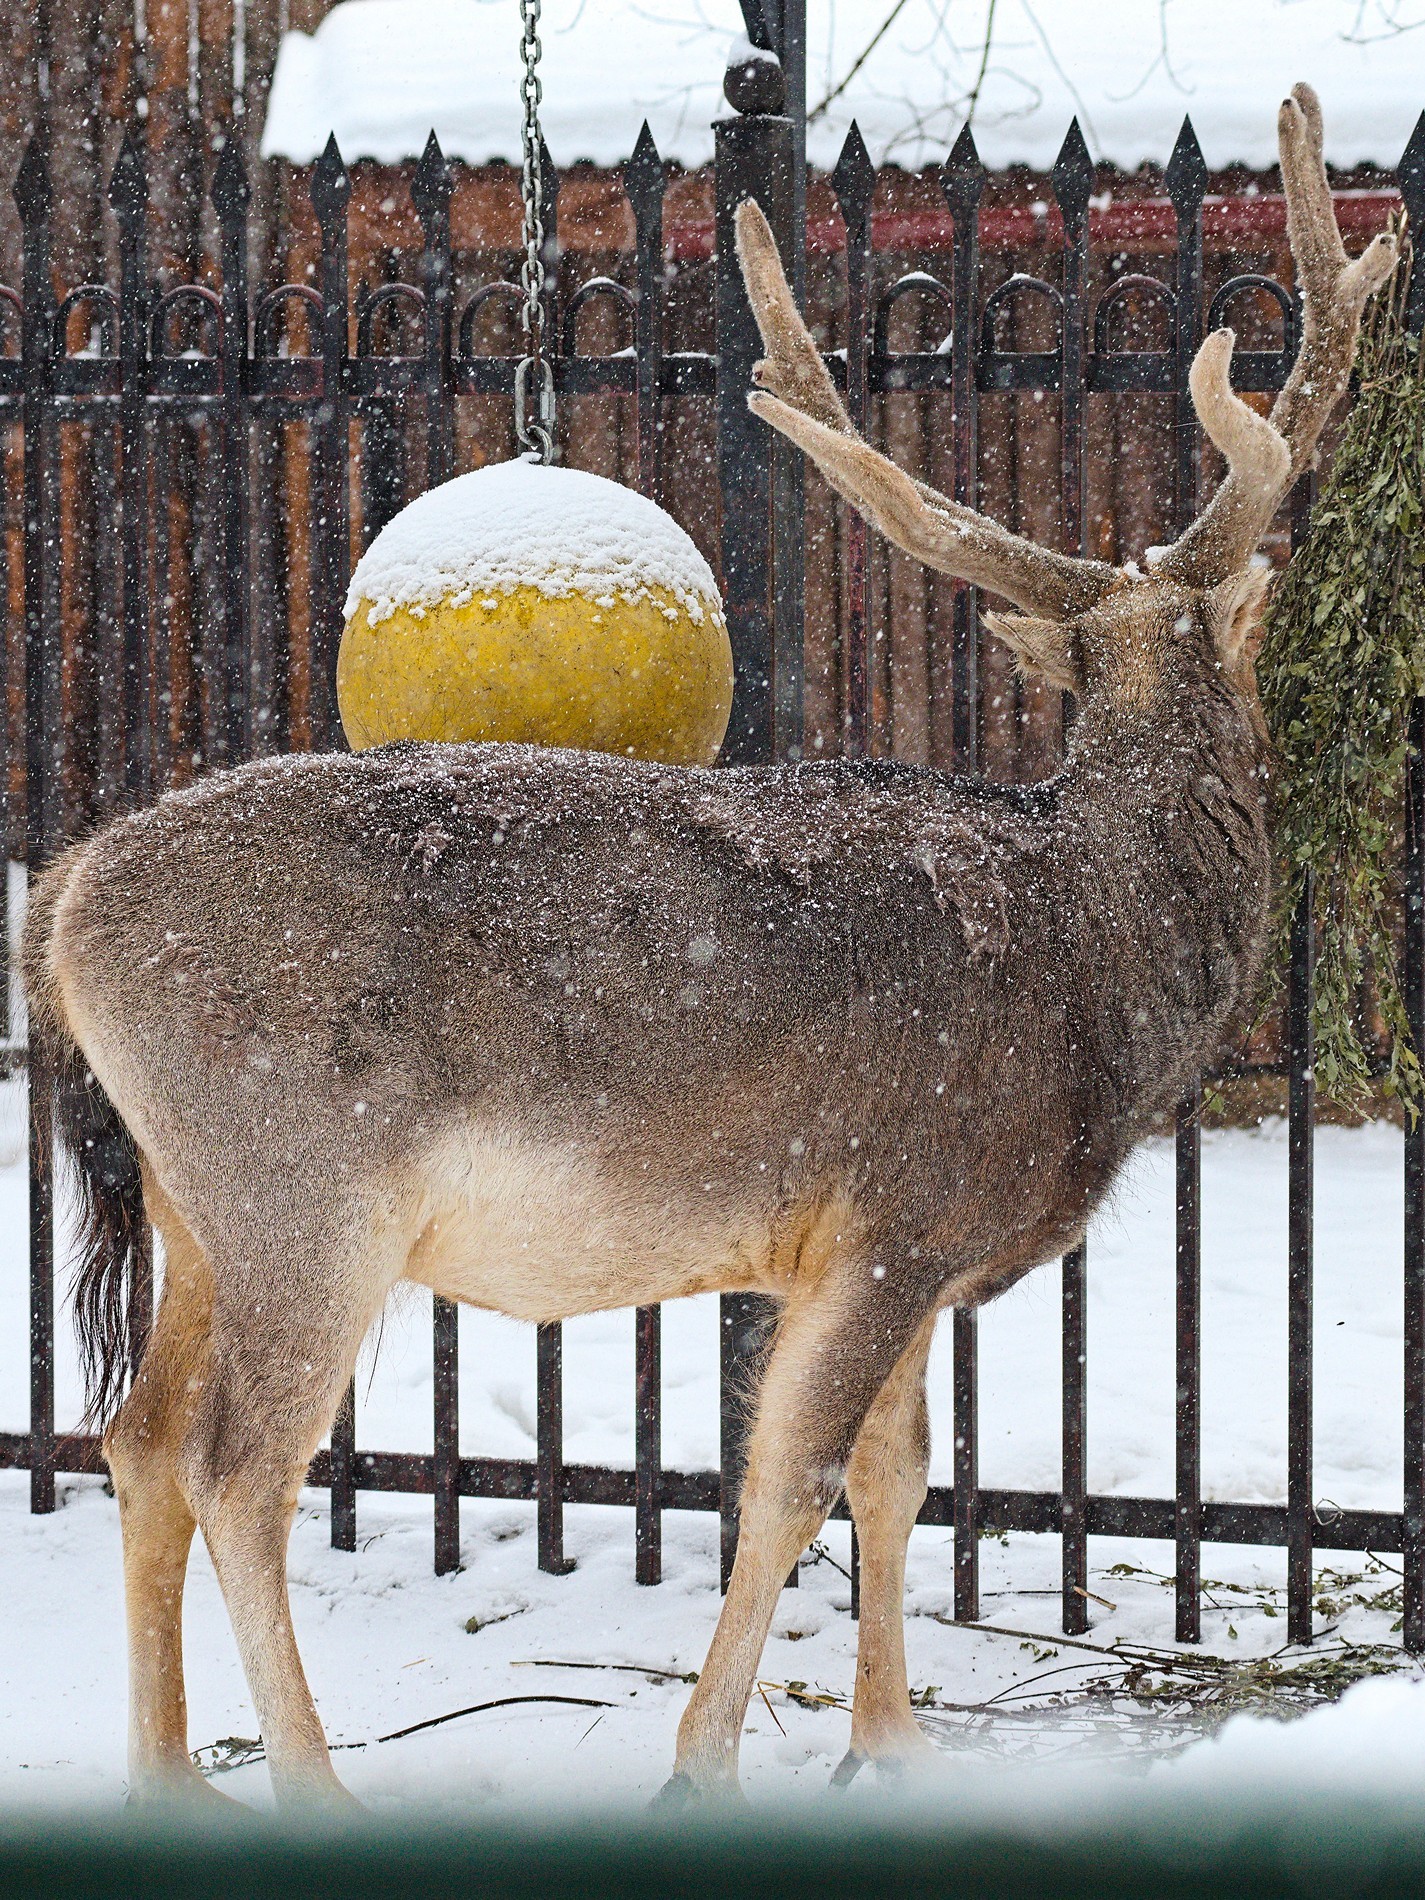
(1165,819)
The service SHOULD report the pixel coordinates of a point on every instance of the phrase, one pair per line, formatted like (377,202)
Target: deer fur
(553,1032)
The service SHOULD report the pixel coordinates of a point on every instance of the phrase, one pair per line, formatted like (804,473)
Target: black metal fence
(247,366)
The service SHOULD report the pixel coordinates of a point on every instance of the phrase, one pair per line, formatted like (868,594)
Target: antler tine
(1334,292)
(796,395)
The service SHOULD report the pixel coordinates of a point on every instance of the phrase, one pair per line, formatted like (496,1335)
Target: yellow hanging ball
(542,605)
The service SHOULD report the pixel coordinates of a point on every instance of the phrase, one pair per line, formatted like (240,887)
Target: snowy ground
(388,1645)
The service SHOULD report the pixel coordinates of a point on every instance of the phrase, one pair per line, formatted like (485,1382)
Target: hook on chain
(534,420)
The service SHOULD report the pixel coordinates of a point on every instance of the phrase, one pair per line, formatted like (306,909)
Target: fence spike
(1186,175)
(231,190)
(128,183)
(331,183)
(1072,179)
(962,176)
(644,177)
(854,178)
(33,192)
(549,173)
(431,183)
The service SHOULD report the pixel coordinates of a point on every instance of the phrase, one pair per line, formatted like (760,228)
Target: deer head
(1088,627)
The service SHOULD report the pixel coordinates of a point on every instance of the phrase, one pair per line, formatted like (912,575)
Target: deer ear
(1235,608)
(1046,648)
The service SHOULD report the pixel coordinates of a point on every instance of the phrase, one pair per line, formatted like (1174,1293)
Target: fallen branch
(634,1669)
(500,1702)
(237,1751)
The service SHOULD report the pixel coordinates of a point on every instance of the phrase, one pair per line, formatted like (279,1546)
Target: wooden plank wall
(194,77)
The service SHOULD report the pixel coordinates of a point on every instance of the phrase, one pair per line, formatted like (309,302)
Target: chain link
(534,377)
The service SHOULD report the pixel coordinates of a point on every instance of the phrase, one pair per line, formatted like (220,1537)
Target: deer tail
(104,1164)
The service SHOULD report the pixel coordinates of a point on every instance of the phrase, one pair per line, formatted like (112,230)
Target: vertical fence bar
(128,193)
(247,714)
(331,189)
(1301,1105)
(854,182)
(753,159)
(343,1472)
(1301,1217)
(1073,183)
(549,1448)
(788,22)
(445,1462)
(108,619)
(1186,181)
(33,195)
(962,180)
(648,1444)
(1412,190)
(644,181)
(1413,1530)
(430,192)
(965,1411)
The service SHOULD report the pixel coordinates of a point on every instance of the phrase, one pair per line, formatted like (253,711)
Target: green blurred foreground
(1147,1847)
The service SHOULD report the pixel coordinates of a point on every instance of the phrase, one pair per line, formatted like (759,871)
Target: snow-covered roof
(381,73)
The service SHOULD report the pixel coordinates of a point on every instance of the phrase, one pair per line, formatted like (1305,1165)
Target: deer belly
(535,1230)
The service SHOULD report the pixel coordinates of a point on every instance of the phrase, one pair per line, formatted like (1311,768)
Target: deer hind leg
(885,1487)
(283,1351)
(142,1447)
(836,1344)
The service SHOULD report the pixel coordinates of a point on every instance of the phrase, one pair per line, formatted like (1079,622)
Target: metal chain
(534,376)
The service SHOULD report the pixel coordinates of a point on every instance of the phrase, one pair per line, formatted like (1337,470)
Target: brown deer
(553,1032)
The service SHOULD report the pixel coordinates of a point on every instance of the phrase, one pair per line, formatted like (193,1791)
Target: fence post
(44,764)
(331,188)
(1186,181)
(1412,190)
(753,159)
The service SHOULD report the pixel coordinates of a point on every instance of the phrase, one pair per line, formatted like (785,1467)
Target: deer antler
(796,395)
(1334,291)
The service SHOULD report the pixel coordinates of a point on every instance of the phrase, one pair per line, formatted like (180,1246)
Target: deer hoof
(678,1791)
(847,1769)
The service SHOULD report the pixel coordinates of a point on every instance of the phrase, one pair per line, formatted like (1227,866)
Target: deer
(552,1032)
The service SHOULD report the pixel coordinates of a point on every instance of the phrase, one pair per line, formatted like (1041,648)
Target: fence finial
(231,190)
(854,178)
(1072,179)
(1185,176)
